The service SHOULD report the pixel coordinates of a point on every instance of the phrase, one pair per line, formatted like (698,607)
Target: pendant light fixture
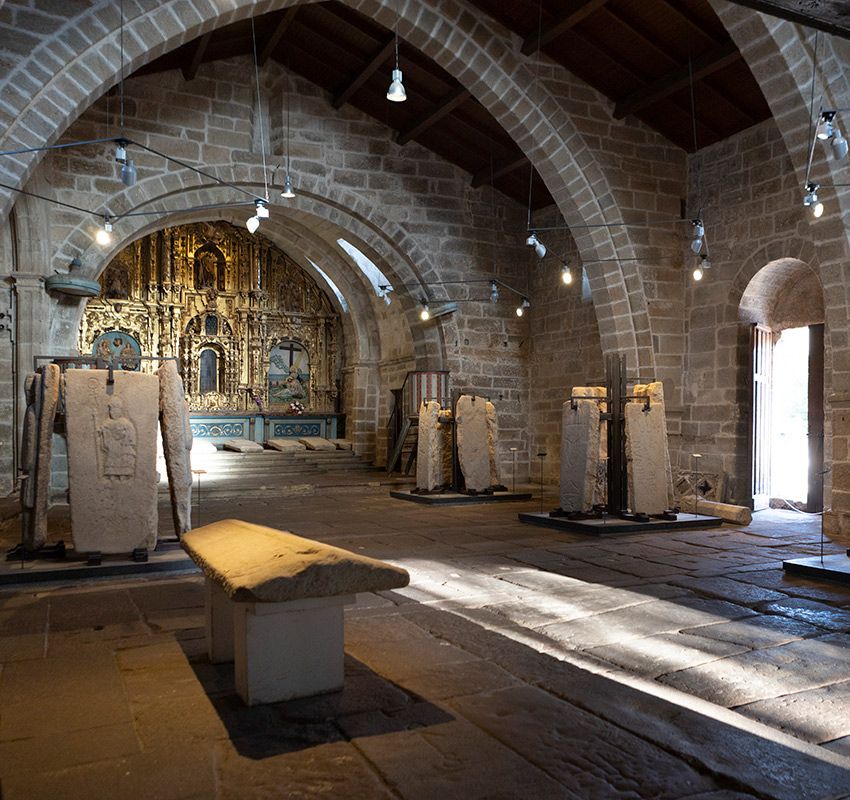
(288,192)
(425,313)
(396,93)
(566,274)
(104,235)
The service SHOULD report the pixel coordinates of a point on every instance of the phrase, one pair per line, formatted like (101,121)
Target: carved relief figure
(206,270)
(117,444)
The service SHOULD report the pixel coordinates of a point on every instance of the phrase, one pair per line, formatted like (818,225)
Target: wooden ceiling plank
(500,168)
(561,24)
(277,34)
(715,59)
(190,67)
(379,59)
(446,105)
(829,15)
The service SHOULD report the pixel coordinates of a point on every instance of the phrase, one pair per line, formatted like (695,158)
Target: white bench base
(280,650)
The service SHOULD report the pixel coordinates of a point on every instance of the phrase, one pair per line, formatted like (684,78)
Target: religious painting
(289,373)
(209,371)
(209,268)
(119,349)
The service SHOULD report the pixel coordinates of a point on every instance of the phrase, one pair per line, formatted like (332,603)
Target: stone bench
(274,605)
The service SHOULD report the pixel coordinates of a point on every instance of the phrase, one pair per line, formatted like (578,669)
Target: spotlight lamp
(533,241)
(396,93)
(288,191)
(121,152)
(262,207)
(494,292)
(839,144)
(699,233)
(425,313)
(566,275)
(252,223)
(520,309)
(128,173)
(810,200)
(104,234)
(824,129)
(701,267)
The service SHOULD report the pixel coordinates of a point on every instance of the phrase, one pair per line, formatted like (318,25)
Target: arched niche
(784,293)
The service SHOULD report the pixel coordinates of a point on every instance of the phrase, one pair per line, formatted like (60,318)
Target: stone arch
(471,48)
(785,293)
(313,223)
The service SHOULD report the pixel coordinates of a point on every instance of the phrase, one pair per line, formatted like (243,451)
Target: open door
(814,495)
(762,368)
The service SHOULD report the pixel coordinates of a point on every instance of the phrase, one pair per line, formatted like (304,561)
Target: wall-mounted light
(521,308)
(566,275)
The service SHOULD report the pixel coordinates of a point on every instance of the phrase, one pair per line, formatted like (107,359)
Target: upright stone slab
(429,448)
(112,459)
(29,457)
(446,425)
(472,439)
(51,377)
(176,444)
(645,457)
(579,454)
(600,489)
(493,444)
(655,392)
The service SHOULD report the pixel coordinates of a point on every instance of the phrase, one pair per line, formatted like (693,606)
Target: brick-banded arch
(57,82)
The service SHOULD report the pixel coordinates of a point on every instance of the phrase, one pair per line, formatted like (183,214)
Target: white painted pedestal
(280,650)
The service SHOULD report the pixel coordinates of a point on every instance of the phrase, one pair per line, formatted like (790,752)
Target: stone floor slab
(767,673)
(615,764)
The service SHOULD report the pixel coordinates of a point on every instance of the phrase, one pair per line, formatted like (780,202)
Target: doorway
(783,304)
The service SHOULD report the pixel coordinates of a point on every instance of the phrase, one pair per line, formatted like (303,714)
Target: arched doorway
(784,307)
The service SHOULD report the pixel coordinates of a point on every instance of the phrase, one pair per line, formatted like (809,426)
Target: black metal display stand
(614,516)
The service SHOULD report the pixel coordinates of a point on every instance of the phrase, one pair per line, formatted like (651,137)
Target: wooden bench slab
(256,564)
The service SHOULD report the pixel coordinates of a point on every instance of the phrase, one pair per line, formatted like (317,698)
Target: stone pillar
(836,515)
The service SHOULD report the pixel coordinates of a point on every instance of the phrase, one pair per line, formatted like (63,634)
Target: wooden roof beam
(276,35)
(829,16)
(569,18)
(711,61)
(500,169)
(190,67)
(378,60)
(444,107)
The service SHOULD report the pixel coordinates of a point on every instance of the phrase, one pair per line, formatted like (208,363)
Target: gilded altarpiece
(252,329)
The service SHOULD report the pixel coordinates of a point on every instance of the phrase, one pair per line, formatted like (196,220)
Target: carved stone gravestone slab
(112,459)
(645,457)
(242,446)
(29,457)
(579,454)
(430,473)
(176,443)
(493,444)
(600,490)
(51,378)
(286,445)
(317,443)
(472,438)
(655,392)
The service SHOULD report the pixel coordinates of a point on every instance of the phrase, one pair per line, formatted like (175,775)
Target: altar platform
(219,426)
(834,567)
(612,525)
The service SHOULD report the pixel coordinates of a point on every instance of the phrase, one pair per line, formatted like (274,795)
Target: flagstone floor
(519,663)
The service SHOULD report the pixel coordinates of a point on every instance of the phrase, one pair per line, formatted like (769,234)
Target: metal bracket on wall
(6,322)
